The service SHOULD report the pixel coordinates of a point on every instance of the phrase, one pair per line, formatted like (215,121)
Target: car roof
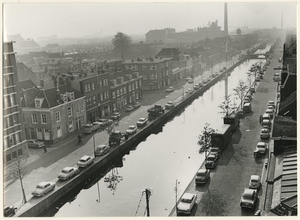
(43,183)
(271,101)
(266,115)
(261,143)
(248,191)
(68,168)
(264,129)
(203,171)
(131,126)
(254,177)
(142,119)
(246,104)
(269,110)
(84,157)
(187,196)
(101,146)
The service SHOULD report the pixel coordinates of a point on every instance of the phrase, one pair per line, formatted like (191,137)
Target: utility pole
(176,193)
(148,194)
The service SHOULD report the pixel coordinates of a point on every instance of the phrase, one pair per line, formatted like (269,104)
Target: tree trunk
(23,191)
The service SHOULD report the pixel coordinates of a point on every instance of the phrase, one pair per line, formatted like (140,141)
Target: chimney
(225,19)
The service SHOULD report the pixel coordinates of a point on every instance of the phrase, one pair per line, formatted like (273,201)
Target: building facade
(155,72)
(53,114)
(14,139)
(125,88)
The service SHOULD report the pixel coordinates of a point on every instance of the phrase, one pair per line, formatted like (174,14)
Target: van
(247,107)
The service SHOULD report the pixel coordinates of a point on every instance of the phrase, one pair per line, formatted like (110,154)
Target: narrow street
(237,162)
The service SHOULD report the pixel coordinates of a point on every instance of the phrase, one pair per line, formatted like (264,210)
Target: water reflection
(113,179)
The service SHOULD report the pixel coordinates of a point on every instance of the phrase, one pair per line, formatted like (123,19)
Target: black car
(9,211)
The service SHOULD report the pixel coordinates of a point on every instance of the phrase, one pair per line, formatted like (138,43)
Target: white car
(142,122)
(43,188)
(101,150)
(270,112)
(96,125)
(266,123)
(261,147)
(272,103)
(271,107)
(189,91)
(186,204)
(131,129)
(254,182)
(104,122)
(129,108)
(170,89)
(170,104)
(85,161)
(68,173)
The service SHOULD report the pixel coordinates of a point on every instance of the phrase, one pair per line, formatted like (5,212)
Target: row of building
(52,104)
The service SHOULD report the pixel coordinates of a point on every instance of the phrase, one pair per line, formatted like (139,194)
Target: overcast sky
(32,20)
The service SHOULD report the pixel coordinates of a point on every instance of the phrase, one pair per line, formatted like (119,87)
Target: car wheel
(43,194)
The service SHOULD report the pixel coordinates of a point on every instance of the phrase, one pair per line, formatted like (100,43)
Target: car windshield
(83,160)
(200,174)
(40,187)
(254,181)
(131,127)
(186,200)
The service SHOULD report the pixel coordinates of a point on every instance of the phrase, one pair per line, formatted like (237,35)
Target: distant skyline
(33,20)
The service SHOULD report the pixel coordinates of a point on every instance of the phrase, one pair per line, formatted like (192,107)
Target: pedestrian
(45,148)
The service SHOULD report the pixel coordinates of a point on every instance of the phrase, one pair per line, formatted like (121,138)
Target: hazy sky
(32,20)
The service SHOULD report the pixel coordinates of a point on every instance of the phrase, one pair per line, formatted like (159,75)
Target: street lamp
(94,146)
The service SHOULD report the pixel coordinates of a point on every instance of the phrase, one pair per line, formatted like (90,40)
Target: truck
(221,138)
(115,137)
(155,111)
(233,120)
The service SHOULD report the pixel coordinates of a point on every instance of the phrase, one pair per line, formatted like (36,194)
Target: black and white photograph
(149,109)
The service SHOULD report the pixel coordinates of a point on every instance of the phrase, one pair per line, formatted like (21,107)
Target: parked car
(254,182)
(186,203)
(85,161)
(101,150)
(170,104)
(249,198)
(261,147)
(68,173)
(104,122)
(196,86)
(266,117)
(116,115)
(270,112)
(257,79)
(131,129)
(211,161)
(261,76)
(189,91)
(266,123)
(202,176)
(137,105)
(129,108)
(35,143)
(142,122)
(170,89)
(88,128)
(43,188)
(264,133)
(9,211)
(96,125)
(252,90)
(215,151)
(190,81)
(249,96)
(271,107)
(246,100)
(240,114)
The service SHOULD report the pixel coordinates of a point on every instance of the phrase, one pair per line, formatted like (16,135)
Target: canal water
(155,164)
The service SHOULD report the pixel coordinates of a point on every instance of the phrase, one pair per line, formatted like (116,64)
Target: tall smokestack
(225,19)
(282,20)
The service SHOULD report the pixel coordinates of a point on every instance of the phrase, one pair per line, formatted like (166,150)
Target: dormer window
(64,97)
(38,102)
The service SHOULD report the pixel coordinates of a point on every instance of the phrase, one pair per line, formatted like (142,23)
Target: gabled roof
(27,84)
(50,96)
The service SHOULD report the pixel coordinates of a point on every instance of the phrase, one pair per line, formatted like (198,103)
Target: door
(31,133)
(39,134)
(59,132)
(47,134)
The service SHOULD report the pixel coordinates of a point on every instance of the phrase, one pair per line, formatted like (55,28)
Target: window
(93,86)
(100,83)
(11,140)
(71,128)
(132,85)
(57,116)
(94,98)
(101,96)
(129,87)
(69,111)
(82,107)
(125,101)
(124,90)
(5,143)
(114,94)
(89,87)
(12,100)
(144,67)
(107,94)
(121,91)
(86,88)
(72,95)
(20,152)
(153,76)
(153,67)
(34,118)
(8,157)
(38,103)
(14,154)
(77,108)
(17,136)
(118,93)
(44,119)
(136,84)
(145,76)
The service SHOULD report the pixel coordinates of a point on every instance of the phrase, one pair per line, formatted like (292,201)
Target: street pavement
(221,195)
(46,166)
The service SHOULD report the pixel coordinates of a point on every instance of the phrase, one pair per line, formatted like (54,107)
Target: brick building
(52,114)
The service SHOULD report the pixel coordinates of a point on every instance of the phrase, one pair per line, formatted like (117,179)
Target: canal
(170,154)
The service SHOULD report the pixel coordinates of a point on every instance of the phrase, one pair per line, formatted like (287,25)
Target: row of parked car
(266,120)
(250,196)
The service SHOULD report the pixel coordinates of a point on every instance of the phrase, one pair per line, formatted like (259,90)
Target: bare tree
(18,171)
(241,90)
(121,43)
(255,68)
(113,179)
(226,106)
(204,139)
